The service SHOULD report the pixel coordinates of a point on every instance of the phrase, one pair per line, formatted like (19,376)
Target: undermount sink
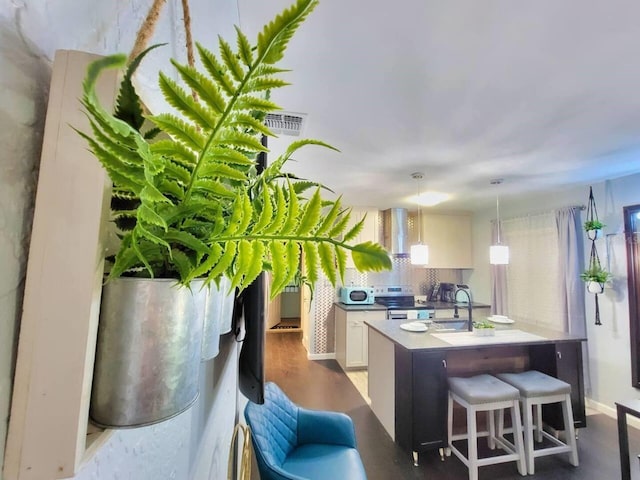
(450,325)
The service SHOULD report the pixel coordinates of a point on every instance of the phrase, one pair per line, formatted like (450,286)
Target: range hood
(396,231)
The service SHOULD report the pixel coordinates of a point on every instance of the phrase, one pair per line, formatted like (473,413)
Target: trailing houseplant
(192,203)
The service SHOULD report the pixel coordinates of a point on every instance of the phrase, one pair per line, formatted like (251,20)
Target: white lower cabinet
(352,338)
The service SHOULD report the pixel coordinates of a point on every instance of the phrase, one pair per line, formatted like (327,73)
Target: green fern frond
(327,261)
(244,48)
(180,130)
(193,202)
(176,151)
(243,141)
(216,70)
(265,83)
(274,38)
(278,254)
(228,155)
(185,103)
(370,257)
(353,233)
(128,105)
(222,170)
(230,60)
(293,211)
(266,214)
(206,90)
(310,215)
(311,261)
(247,121)
(281,211)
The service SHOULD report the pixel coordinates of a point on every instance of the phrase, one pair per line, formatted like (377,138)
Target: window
(632,229)
(533,273)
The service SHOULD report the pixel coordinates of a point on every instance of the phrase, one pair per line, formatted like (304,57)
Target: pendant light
(419,252)
(498,254)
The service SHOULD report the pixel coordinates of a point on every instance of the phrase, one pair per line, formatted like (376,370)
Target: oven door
(410,314)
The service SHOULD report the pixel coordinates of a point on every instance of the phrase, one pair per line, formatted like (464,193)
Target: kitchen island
(408,374)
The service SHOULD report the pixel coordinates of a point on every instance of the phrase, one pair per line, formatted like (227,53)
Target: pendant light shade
(419,252)
(498,254)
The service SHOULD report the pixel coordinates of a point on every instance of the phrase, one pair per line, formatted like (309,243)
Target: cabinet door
(357,342)
(370,230)
(421,400)
(449,240)
(563,361)
(340,317)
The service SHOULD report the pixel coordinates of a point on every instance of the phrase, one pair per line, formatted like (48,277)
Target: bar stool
(536,389)
(479,394)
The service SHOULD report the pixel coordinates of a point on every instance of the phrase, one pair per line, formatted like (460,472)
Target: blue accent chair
(294,443)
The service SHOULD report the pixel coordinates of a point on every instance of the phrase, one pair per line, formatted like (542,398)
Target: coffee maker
(447,292)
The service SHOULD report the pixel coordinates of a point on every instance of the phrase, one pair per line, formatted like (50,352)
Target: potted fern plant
(593,229)
(596,277)
(193,209)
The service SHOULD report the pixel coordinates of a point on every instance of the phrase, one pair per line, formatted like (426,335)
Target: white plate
(500,319)
(414,327)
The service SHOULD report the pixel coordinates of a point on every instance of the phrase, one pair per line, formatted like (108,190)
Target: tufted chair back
(274,425)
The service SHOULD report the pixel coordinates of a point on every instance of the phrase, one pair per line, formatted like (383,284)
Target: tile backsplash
(403,273)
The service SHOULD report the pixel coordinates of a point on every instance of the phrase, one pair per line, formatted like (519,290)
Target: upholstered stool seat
(536,389)
(485,393)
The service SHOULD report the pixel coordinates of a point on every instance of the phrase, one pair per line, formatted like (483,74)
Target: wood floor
(323,385)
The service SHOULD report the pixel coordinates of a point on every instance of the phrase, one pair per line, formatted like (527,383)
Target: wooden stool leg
(538,421)
(472,442)
(517,437)
(570,431)
(528,434)
(491,423)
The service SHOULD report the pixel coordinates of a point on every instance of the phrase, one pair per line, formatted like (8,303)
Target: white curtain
(533,273)
(571,249)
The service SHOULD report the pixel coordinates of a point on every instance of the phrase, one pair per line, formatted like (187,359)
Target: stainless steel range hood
(396,231)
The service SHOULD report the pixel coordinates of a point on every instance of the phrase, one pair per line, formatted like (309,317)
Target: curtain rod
(544,212)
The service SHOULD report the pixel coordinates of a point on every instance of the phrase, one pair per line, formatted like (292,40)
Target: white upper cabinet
(370,230)
(449,239)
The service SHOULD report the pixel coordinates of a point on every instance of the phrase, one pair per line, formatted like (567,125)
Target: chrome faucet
(469,307)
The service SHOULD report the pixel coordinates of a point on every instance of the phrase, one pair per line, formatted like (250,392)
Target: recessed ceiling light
(429,199)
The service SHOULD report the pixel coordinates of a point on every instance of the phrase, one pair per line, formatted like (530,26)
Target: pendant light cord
(498,216)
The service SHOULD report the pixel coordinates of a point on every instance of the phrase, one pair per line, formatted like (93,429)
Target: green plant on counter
(483,324)
(190,201)
(593,225)
(595,274)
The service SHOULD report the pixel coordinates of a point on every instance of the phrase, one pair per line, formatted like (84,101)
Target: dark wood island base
(408,376)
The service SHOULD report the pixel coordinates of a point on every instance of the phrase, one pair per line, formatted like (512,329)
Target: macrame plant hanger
(149,25)
(594,258)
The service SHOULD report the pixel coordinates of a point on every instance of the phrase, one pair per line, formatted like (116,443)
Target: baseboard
(321,356)
(611,412)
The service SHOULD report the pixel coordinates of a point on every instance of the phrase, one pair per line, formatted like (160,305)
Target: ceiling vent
(286,123)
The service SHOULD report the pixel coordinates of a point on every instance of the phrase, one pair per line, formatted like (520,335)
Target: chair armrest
(334,428)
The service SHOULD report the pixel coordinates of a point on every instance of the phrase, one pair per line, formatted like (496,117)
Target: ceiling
(542,94)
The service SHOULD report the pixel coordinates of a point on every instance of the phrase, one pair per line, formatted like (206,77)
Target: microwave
(356,295)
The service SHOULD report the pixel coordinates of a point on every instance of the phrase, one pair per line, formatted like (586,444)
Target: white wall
(191,445)
(608,344)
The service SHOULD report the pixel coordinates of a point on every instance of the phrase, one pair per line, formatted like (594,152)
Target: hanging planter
(148,351)
(595,287)
(595,275)
(217,318)
(593,229)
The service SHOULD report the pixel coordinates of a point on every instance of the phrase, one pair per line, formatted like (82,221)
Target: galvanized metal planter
(218,316)
(148,351)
